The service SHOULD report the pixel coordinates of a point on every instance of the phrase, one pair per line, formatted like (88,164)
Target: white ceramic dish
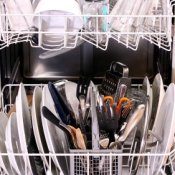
(38,128)
(164,128)
(4,160)
(70,91)
(37,124)
(53,44)
(55,138)
(58,36)
(24,124)
(147,88)
(52,40)
(13,146)
(158,94)
(58,17)
(44,5)
(141,137)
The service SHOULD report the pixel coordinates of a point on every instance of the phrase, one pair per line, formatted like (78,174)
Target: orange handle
(123,99)
(110,99)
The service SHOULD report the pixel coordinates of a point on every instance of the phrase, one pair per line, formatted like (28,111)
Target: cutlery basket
(96,162)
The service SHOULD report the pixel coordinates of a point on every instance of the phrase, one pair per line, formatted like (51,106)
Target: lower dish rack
(116,161)
(101,163)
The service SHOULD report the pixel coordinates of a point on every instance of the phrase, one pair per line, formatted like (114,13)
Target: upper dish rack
(94,22)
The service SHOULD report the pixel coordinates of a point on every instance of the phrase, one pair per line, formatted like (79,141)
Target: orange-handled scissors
(120,103)
(110,99)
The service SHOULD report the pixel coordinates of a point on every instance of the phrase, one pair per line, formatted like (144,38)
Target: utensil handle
(119,69)
(53,119)
(133,121)
(60,106)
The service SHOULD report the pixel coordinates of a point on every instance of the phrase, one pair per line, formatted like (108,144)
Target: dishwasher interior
(63,109)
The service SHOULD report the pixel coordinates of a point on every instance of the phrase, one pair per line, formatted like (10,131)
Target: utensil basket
(99,162)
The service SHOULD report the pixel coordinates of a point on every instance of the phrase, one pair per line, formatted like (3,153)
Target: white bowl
(58,17)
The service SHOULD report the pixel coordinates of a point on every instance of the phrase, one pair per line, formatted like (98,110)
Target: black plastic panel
(140,62)
(88,60)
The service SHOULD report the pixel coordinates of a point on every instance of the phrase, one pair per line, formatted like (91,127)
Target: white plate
(55,138)
(70,91)
(140,136)
(158,94)
(53,44)
(147,88)
(56,38)
(52,40)
(13,146)
(37,124)
(4,160)
(24,123)
(164,128)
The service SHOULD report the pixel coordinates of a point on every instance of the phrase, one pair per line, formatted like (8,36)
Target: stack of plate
(17,137)
(58,23)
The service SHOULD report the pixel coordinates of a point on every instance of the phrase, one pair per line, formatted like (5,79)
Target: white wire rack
(124,21)
(150,20)
(102,162)
(117,161)
(157,25)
